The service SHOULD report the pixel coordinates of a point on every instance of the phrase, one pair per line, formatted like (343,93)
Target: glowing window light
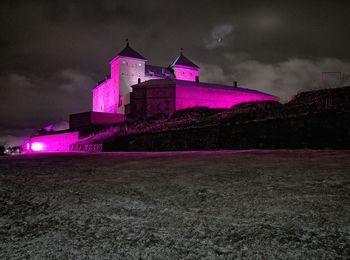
(37,146)
(28,146)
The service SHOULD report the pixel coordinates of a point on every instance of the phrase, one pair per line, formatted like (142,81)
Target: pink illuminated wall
(130,70)
(105,98)
(192,96)
(151,100)
(51,143)
(185,73)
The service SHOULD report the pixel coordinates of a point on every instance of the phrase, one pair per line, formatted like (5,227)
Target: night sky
(53,52)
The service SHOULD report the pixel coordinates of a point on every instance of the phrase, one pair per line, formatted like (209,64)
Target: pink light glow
(52,143)
(36,147)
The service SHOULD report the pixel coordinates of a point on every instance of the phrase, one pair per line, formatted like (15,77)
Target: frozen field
(218,204)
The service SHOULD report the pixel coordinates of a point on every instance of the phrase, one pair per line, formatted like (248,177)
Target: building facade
(165,96)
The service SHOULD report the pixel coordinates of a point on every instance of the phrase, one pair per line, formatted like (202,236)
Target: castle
(137,90)
(140,90)
(128,68)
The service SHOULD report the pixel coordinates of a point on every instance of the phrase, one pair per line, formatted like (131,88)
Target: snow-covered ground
(259,204)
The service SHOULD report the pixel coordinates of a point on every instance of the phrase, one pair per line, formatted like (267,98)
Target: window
(140,64)
(183,72)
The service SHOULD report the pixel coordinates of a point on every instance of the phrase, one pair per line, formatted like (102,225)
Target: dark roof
(157,71)
(160,82)
(183,61)
(130,52)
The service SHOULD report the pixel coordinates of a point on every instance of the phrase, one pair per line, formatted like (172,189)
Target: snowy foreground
(217,204)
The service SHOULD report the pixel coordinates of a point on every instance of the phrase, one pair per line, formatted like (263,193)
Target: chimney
(138,81)
(197,78)
(235,85)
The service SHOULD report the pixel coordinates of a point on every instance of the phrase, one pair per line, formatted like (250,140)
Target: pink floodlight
(36,147)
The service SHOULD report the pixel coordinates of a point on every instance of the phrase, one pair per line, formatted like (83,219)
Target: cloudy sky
(53,52)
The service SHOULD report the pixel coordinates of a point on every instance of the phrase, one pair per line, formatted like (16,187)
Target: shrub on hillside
(192,113)
(257,105)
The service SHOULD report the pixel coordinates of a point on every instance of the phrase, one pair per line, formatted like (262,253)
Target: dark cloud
(219,36)
(283,79)
(52,52)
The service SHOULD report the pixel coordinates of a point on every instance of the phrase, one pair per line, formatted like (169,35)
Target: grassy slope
(315,119)
(256,204)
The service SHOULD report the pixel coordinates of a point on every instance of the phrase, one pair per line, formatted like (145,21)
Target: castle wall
(152,100)
(191,96)
(123,101)
(115,84)
(184,73)
(105,97)
(91,118)
(130,70)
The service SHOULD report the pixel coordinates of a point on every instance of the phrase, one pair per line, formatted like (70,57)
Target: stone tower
(184,69)
(126,68)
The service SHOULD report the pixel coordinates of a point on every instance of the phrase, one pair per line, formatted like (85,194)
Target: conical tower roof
(181,60)
(130,53)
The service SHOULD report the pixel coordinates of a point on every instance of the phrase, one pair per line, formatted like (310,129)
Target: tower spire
(181,50)
(127,42)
